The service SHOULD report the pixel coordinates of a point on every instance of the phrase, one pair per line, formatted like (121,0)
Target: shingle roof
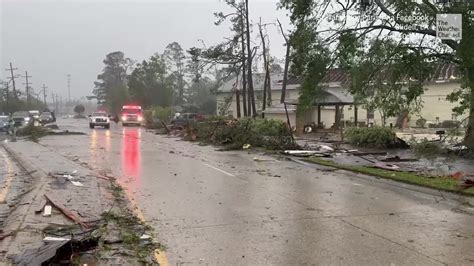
(443,72)
(258,80)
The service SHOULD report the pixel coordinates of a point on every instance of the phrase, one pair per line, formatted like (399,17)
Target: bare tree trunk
(249,60)
(285,74)
(237,96)
(244,69)
(265,64)
(469,139)
(287,63)
(269,86)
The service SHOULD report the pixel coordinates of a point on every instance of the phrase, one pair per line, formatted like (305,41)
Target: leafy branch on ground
(371,137)
(233,134)
(34,133)
(427,149)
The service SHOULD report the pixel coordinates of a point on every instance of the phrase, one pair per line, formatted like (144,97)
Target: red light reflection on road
(131,159)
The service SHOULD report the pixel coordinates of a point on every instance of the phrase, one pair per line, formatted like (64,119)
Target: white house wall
(434,100)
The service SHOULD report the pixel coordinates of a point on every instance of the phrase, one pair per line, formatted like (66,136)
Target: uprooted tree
(410,26)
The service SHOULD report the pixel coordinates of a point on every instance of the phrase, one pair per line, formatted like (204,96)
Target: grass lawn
(441,183)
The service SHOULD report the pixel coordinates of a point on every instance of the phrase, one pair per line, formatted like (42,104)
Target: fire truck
(131,115)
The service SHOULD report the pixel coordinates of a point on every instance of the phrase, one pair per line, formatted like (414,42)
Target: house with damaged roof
(336,106)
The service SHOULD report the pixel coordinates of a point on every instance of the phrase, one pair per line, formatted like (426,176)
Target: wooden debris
(69,214)
(40,206)
(5,235)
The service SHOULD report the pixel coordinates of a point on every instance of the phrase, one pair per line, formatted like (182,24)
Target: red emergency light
(132,107)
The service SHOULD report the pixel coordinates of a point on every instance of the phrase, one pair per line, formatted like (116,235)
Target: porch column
(319,115)
(356,114)
(338,117)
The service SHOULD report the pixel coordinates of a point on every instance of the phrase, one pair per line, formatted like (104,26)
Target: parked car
(45,118)
(35,114)
(21,118)
(99,119)
(184,119)
(5,123)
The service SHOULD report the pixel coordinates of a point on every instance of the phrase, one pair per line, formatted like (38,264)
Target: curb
(421,189)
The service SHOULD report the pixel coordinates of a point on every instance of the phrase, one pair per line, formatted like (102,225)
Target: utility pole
(68,88)
(52,98)
(44,94)
(57,104)
(13,80)
(27,89)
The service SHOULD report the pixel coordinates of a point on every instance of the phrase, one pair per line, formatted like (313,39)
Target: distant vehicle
(184,119)
(131,114)
(99,119)
(45,118)
(21,118)
(4,123)
(35,114)
(46,110)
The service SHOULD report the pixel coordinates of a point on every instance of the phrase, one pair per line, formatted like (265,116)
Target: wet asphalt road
(214,208)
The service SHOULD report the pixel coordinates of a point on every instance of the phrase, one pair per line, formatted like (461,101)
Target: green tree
(175,60)
(201,97)
(149,83)
(79,109)
(409,24)
(111,85)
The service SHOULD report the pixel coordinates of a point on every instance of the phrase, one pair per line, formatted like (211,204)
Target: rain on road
(213,208)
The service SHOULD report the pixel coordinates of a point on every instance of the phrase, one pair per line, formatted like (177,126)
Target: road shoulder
(95,201)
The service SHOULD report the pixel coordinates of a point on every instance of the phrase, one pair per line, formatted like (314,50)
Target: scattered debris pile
(236,134)
(116,237)
(34,133)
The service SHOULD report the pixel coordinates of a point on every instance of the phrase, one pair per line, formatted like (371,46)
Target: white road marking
(215,168)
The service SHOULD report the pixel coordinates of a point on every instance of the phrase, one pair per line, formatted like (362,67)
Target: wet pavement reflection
(131,155)
(219,208)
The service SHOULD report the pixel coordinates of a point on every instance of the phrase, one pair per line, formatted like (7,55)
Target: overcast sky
(51,39)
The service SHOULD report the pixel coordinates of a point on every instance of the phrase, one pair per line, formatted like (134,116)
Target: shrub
(450,124)
(154,115)
(421,122)
(162,113)
(372,137)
